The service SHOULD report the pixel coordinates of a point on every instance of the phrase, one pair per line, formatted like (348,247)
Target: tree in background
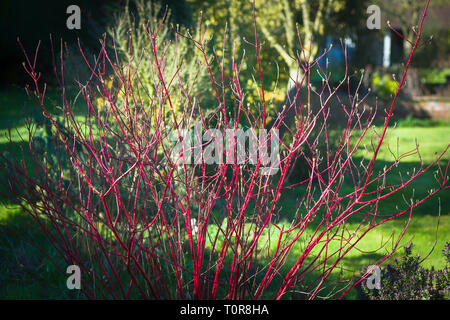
(295,28)
(282,26)
(286,25)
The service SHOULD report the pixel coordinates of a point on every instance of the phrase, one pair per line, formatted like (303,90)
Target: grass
(26,273)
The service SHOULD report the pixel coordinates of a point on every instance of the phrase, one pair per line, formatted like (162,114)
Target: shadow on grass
(396,202)
(25,272)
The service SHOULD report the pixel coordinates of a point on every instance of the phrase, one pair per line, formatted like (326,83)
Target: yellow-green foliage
(176,57)
(384,85)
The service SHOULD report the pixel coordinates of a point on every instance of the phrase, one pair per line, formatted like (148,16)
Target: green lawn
(432,141)
(26,273)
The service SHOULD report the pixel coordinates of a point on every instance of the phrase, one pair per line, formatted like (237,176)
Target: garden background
(421,114)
